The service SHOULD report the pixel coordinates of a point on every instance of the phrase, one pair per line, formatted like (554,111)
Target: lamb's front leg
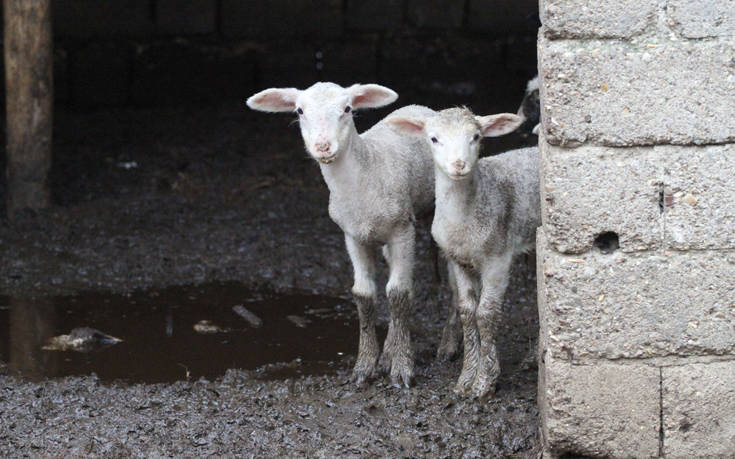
(397,351)
(365,294)
(467,305)
(489,314)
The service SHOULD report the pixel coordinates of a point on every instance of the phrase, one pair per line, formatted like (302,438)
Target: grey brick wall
(151,52)
(637,345)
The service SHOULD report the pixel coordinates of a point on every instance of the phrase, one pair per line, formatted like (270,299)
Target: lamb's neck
(350,165)
(455,199)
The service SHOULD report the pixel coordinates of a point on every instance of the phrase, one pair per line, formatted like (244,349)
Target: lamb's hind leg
(451,341)
(400,300)
(386,358)
(365,294)
(489,315)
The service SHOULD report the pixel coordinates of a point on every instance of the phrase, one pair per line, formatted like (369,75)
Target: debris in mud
(207,327)
(251,318)
(83,339)
(127,165)
(298,321)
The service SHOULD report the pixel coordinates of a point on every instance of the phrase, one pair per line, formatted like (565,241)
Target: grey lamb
(487,211)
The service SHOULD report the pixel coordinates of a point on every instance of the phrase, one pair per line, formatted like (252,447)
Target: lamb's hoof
(463,390)
(363,373)
(401,372)
(447,351)
(386,362)
(483,393)
(463,387)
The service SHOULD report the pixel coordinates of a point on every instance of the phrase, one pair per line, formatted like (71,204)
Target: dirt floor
(149,199)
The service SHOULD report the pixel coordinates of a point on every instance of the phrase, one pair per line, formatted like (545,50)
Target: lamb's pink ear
(274,100)
(500,124)
(406,125)
(371,95)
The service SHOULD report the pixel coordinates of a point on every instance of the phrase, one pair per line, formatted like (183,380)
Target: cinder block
(636,306)
(287,65)
(699,410)
(184,17)
(639,92)
(600,410)
(700,197)
(185,73)
(350,62)
(442,14)
(587,191)
(100,74)
(374,15)
(431,63)
(703,18)
(498,17)
(600,18)
(315,19)
(102,18)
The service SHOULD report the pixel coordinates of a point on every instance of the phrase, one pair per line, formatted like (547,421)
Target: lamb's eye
(299,111)
(348,109)
(434,140)
(476,137)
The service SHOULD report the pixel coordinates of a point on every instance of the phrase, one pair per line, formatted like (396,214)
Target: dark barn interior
(167,190)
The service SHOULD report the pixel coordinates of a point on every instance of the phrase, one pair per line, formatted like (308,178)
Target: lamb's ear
(371,95)
(274,100)
(406,125)
(497,125)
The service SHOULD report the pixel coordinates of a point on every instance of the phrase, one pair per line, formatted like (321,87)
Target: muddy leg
(364,291)
(452,333)
(467,303)
(489,312)
(386,358)
(400,300)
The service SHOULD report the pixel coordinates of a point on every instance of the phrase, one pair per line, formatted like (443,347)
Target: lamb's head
(324,111)
(454,135)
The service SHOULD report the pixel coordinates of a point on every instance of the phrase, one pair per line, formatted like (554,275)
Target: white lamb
(379,182)
(487,211)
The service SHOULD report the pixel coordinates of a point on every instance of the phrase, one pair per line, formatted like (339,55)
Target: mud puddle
(180,333)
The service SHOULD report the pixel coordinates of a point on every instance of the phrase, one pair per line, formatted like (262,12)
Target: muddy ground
(164,197)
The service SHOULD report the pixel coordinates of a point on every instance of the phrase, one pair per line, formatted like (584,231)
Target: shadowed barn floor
(153,199)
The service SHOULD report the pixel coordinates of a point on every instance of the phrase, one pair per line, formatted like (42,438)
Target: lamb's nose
(458,164)
(322,146)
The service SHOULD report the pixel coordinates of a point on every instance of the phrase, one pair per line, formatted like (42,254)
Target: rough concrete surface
(600,410)
(624,93)
(600,19)
(576,208)
(702,19)
(230,195)
(699,410)
(663,196)
(699,197)
(633,306)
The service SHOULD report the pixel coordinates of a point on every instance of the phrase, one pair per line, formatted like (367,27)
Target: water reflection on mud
(164,340)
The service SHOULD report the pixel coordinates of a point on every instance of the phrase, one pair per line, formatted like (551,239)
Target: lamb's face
(324,111)
(325,117)
(454,136)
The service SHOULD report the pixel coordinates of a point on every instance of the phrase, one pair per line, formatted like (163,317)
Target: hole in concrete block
(607,242)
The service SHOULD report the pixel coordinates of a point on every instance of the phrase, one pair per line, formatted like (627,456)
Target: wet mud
(179,333)
(223,205)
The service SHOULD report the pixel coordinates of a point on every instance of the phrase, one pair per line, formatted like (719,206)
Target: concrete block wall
(171,52)
(636,254)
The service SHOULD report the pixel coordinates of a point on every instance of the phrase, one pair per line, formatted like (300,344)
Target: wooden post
(29,102)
